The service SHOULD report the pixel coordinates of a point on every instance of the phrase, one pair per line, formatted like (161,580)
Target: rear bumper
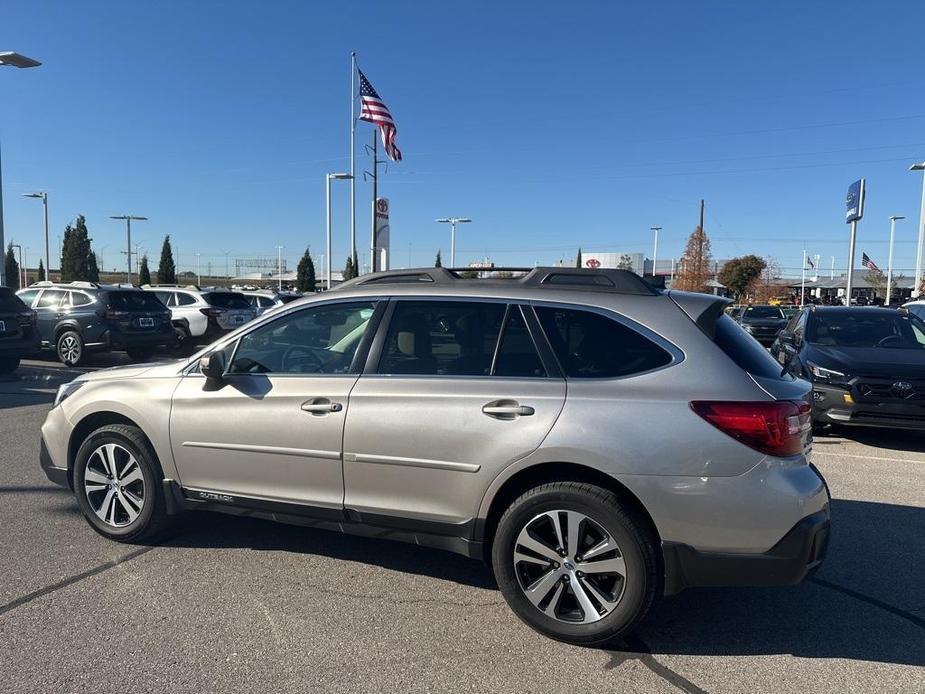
(797,554)
(20,347)
(830,407)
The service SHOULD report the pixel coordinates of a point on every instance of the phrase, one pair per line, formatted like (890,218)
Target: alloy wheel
(569,567)
(69,349)
(114,485)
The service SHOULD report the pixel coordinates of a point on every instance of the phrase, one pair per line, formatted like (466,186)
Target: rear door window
(745,350)
(51,298)
(517,356)
(591,345)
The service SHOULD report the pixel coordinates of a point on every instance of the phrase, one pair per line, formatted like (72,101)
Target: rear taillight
(212,312)
(116,315)
(775,428)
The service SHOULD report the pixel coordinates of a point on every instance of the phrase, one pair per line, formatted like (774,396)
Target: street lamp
(10,59)
(198,273)
(889,267)
(918,252)
(128,230)
(654,251)
(453,221)
(279,268)
(44,198)
(328,178)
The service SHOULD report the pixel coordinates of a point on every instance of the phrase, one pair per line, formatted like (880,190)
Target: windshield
(227,300)
(134,301)
(867,329)
(759,312)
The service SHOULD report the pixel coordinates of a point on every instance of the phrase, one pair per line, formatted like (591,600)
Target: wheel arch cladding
(87,426)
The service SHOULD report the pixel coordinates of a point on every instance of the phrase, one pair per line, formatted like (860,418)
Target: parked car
(517,420)
(201,315)
(80,317)
(916,308)
(19,337)
(866,364)
(266,300)
(763,322)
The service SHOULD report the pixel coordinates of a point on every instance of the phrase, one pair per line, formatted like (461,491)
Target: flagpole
(353,178)
(803,279)
(372,256)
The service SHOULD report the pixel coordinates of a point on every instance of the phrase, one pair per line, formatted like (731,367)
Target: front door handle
(507,409)
(321,406)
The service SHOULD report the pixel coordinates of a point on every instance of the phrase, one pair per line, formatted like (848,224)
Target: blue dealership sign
(855,201)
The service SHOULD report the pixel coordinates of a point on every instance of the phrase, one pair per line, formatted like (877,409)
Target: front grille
(890,391)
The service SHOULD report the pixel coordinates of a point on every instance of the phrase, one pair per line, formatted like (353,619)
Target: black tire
(636,546)
(139,353)
(183,344)
(70,348)
(152,519)
(8,364)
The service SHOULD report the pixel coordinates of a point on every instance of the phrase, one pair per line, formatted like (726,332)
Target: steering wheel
(889,338)
(307,356)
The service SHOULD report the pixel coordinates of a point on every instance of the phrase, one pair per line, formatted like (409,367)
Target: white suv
(202,315)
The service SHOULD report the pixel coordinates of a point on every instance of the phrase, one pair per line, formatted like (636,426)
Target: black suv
(763,322)
(84,316)
(18,335)
(867,365)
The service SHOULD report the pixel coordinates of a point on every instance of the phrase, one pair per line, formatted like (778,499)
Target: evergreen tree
(166,270)
(438,261)
(93,268)
(76,256)
(694,271)
(349,270)
(41,271)
(305,273)
(144,274)
(578,258)
(11,268)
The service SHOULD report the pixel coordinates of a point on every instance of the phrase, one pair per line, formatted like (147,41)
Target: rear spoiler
(703,309)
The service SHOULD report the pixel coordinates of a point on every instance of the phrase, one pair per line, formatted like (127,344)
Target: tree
(768,285)
(11,268)
(77,260)
(626,262)
(694,270)
(305,273)
(144,274)
(41,271)
(578,258)
(350,269)
(166,270)
(438,261)
(738,274)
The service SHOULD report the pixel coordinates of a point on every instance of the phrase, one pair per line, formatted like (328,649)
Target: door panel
(422,447)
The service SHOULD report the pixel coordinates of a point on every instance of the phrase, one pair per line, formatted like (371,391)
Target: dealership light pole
(10,59)
(453,221)
(654,251)
(128,230)
(44,197)
(889,266)
(918,253)
(328,178)
(279,267)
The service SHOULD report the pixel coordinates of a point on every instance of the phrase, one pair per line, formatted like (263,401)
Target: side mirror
(212,366)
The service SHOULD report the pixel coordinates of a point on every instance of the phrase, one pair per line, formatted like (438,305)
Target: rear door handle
(507,409)
(321,406)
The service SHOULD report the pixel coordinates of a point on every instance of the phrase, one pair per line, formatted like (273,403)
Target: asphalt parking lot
(238,604)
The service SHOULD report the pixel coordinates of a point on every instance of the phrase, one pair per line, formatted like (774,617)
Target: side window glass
(80,299)
(27,297)
(442,338)
(517,355)
(590,345)
(50,298)
(318,340)
(182,299)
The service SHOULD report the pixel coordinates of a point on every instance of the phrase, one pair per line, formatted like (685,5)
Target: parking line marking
(73,579)
(868,457)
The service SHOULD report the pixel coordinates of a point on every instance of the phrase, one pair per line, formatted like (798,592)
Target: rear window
(745,350)
(133,301)
(226,300)
(9,301)
(763,312)
(590,345)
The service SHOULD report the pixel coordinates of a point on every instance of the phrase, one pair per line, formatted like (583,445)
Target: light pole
(453,221)
(44,197)
(918,252)
(889,266)
(654,251)
(328,178)
(10,59)
(279,267)
(128,230)
(198,273)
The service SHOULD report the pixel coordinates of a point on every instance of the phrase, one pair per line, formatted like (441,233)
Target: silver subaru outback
(600,443)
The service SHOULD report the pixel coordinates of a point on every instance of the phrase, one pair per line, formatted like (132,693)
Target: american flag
(373,109)
(868,263)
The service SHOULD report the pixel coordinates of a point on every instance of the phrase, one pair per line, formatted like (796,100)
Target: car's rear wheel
(183,342)
(117,482)
(8,364)
(574,564)
(70,348)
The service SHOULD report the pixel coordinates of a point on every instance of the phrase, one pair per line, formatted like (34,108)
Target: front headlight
(67,390)
(820,373)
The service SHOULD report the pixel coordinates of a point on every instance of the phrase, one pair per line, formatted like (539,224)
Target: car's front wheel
(70,348)
(117,481)
(574,564)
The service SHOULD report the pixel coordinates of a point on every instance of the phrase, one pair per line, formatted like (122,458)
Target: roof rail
(43,283)
(84,285)
(619,281)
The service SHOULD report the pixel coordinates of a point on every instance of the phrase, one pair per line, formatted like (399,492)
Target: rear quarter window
(745,350)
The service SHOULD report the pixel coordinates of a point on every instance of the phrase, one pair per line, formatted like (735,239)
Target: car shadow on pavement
(891,439)
(874,555)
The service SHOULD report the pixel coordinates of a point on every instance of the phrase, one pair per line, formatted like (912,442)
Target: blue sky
(551,125)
